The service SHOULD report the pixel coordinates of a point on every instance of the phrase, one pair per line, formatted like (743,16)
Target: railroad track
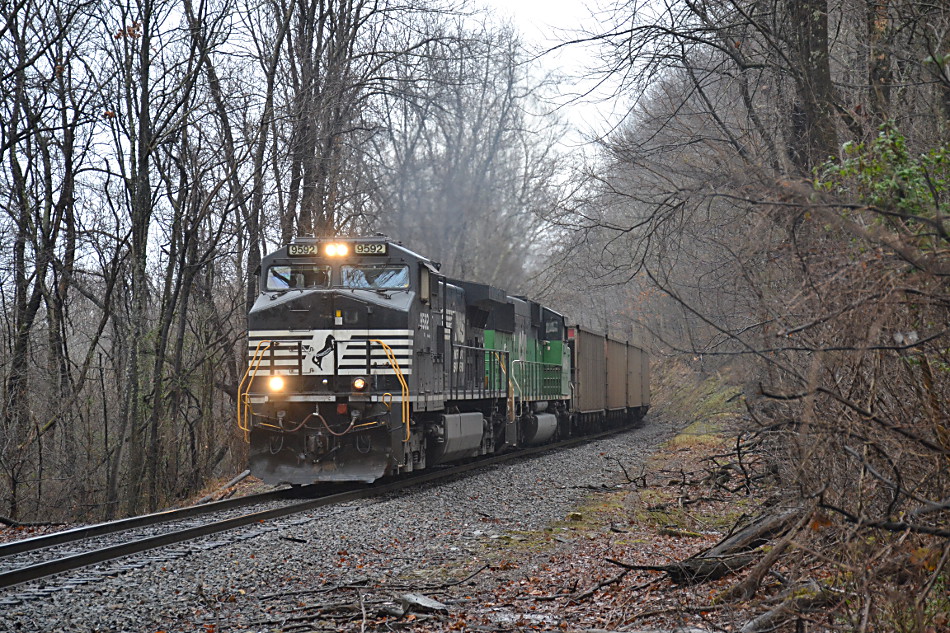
(53,559)
(40,556)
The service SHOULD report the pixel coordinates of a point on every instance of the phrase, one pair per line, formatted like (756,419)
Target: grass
(587,519)
(682,394)
(701,434)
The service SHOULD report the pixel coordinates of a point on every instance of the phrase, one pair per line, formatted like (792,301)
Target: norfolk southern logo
(328,346)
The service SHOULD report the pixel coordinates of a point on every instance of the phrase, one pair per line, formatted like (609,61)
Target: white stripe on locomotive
(313,352)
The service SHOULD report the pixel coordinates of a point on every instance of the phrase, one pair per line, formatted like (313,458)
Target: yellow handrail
(243,398)
(243,401)
(402,382)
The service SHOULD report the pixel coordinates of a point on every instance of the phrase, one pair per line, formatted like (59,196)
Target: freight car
(365,361)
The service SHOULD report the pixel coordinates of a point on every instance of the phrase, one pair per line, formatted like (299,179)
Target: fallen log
(215,495)
(421,604)
(747,587)
(18,524)
(755,534)
(729,555)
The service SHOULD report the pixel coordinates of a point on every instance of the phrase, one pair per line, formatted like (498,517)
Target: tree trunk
(880,76)
(144,434)
(813,119)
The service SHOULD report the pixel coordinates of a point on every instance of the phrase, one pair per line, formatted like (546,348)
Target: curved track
(55,561)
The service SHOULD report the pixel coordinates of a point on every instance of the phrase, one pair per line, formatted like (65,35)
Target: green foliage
(886,176)
(684,394)
(937,58)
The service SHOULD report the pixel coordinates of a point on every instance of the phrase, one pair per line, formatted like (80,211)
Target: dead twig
(359,596)
(640,480)
(600,585)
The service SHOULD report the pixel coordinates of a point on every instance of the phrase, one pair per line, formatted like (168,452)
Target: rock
(421,604)
(393,610)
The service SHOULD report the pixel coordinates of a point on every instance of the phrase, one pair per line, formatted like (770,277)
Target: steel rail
(69,563)
(110,527)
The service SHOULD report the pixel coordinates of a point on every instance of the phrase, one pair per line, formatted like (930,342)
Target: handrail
(515,380)
(510,399)
(402,382)
(243,398)
(531,378)
(469,364)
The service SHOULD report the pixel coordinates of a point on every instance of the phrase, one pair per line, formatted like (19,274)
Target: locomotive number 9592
(371,248)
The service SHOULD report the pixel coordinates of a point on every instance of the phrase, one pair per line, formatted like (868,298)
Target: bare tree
(468,169)
(46,96)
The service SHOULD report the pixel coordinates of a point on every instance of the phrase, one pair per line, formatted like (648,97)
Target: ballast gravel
(269,577)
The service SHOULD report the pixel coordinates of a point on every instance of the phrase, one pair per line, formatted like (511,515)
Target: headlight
(359,384)
(276,383)
(336,250)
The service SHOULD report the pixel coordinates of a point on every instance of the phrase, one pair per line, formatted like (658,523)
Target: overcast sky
(546,23)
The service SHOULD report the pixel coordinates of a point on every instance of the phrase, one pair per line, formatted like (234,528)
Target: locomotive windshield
(375,277)
(294,276)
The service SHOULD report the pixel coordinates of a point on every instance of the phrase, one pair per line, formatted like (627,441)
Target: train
(365,361)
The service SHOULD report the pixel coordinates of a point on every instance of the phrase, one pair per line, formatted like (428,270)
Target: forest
(774,203)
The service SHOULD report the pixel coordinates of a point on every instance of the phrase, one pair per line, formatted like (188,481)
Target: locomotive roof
(378,239)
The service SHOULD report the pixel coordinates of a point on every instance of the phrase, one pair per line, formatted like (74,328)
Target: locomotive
(365,361)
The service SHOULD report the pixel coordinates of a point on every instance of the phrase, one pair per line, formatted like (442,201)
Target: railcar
(365,361)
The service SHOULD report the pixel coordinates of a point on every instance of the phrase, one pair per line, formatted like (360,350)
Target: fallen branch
(665,531)
(746,588)
(678,609)
(693,571)
(600,585)
(324,589)
(681,502)
(729,555)
(214,495)
(442,586)
(17,524)
(800,599)
(757,533)
(640,480)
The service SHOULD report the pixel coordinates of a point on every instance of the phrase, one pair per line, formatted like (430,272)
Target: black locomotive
(365,361)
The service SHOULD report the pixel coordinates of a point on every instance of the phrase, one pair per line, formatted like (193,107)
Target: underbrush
(851,562)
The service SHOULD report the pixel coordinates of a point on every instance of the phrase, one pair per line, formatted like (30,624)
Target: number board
(371,248)
(303,250)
